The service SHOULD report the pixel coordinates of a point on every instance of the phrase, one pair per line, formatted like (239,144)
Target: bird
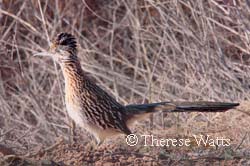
(93,109)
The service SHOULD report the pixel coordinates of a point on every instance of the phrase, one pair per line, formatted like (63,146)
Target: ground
(116,151)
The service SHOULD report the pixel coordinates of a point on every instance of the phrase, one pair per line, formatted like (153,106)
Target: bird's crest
(66,42)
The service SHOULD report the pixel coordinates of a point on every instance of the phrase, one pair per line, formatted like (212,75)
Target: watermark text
(199,140)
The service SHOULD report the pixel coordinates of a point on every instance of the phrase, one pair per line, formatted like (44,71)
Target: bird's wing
(108,112)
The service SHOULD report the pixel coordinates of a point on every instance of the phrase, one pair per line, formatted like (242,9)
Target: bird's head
(63,48)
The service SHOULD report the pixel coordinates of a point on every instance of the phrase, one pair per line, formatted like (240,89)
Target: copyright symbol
(132,139)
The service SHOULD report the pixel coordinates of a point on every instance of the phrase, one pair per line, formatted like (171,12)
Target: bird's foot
(93,145)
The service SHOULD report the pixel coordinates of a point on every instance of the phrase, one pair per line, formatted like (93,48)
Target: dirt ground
(116,151)
(64,154)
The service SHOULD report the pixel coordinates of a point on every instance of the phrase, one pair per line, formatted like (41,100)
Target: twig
(19,19)
(241,141)
(41,151)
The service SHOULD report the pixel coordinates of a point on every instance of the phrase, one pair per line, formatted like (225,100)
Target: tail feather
(202,106)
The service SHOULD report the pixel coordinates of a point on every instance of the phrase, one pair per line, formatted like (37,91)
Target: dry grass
(139,51)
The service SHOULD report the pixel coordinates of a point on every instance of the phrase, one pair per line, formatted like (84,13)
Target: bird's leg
(151,122)
(72,132)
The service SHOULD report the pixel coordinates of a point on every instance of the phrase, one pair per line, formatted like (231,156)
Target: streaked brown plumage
(95,110)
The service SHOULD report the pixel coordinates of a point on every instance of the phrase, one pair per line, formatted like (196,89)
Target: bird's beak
(47,53)
(43,54)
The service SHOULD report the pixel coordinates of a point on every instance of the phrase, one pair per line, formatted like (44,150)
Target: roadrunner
(95,110)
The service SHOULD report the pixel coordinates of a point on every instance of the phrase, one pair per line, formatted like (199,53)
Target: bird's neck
(73,73)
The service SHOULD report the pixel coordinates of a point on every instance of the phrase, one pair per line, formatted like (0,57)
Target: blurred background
(139,51)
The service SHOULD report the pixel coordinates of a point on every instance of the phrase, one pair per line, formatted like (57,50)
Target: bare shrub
(139,51)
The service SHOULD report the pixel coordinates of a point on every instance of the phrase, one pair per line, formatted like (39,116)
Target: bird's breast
(73,103)
(74,111)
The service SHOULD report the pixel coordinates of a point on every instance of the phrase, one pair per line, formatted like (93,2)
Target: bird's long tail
(202,106)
